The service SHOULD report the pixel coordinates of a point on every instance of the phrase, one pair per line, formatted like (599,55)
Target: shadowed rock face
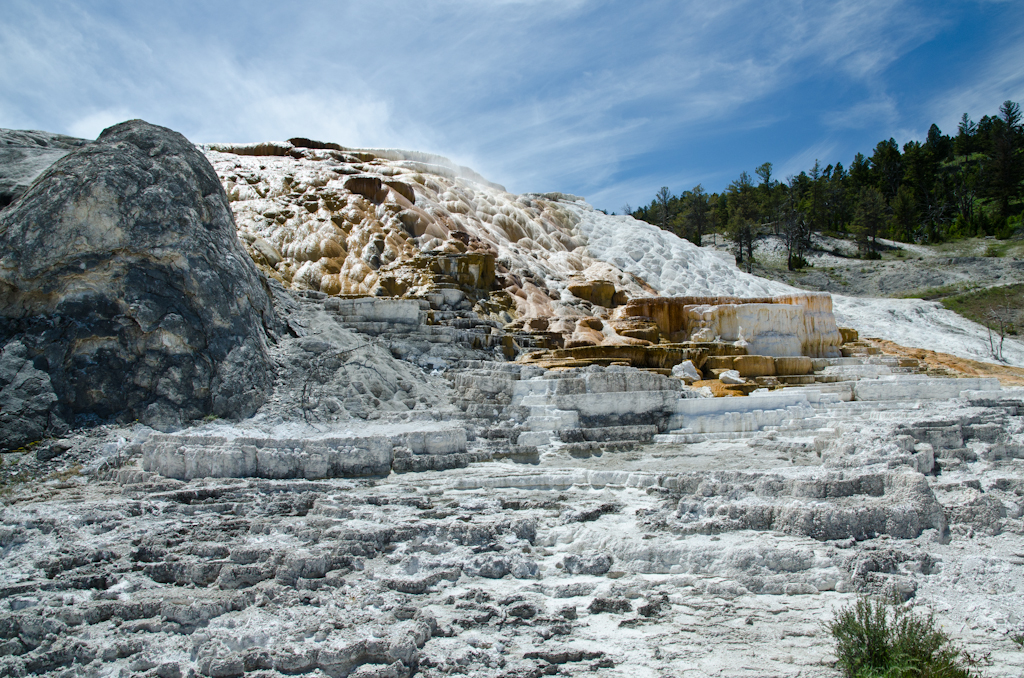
(123,279)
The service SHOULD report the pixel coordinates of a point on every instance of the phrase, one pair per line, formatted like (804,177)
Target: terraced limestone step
(585,442)
(338,455)
(608,434)
(917,387)
(596,448)
(682,436)
(857,351)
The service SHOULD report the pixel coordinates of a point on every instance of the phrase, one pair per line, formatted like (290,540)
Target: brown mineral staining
(598,292)
(944,363)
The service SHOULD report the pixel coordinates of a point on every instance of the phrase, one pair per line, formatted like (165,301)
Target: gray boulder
(587,563)
(28,404)
(122,279)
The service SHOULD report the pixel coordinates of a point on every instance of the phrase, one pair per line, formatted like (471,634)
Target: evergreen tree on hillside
(697,214)
(937,189)
(964,144)
(663,199)
(1007,168)
(743,215)
(795,228)
(887,167)
(869,220)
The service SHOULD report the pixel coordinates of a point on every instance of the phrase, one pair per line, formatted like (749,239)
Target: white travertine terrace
(298,219)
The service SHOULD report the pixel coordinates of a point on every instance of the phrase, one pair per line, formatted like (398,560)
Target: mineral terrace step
(594,448)
(831,378)
(534,438)
(863,370)
(680,438)
(913,387)
(796,379)
(607,434)
(861,351)
(329,456)
(373,327)
(553,420)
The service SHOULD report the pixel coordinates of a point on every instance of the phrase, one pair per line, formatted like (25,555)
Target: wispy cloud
(1001,77)
(864,114)
(597,97)
(804,159)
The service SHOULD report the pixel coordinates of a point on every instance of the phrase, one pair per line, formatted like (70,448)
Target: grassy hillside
(995,307)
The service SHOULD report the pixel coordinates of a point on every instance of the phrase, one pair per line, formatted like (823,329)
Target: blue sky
(608,100)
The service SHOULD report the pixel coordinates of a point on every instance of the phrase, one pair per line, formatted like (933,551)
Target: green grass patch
(995,307)
(979,247)
(934,293)
(883,639)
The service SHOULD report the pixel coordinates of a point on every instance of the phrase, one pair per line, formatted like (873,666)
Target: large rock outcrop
(123,282)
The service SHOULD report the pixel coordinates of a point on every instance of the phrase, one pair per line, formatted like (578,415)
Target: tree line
(940,189)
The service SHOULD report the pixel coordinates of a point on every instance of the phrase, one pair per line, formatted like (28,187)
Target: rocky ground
(716,557)
(904,270)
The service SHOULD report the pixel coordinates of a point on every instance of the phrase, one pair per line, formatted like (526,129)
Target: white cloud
(880,111)
(535,95)
(803,160)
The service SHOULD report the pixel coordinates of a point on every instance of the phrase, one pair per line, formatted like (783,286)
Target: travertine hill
(385,223)
(322,217)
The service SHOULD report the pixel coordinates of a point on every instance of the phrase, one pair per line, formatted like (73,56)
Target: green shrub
(882,639)
(1018,637)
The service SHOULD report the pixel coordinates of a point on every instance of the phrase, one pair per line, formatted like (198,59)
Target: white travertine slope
(302,213)
(923,324)
(293,203)
(668,263)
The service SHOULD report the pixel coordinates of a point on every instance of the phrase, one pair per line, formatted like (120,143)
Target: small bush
(882,639)
(1018,637)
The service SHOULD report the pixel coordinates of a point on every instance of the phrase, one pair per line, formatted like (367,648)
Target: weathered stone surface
(905,387)
(587,563)
(795,365)
(402,189)
(28,406)
(718,362)
(686,371)
(637,328)
(638,355)
(785,325)
(599,292)
(123,278)
(731,377)
(754,365)
(23,157)
(367,186)
(355,576)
